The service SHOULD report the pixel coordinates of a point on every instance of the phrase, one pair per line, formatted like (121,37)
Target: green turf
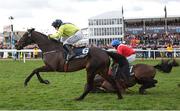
(65,87)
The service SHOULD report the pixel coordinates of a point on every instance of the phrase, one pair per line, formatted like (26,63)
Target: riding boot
(70,52)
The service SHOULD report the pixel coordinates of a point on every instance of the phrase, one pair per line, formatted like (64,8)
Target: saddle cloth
(80,52)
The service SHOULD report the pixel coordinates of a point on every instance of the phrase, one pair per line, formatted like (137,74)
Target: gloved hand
(49,36)
(53,39)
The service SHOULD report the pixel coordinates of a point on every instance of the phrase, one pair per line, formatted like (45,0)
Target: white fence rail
(154,53)
(13,52)
(4,53)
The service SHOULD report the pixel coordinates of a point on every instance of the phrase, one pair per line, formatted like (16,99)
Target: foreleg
(36,71)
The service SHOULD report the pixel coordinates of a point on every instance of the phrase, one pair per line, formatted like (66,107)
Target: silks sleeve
(119,50)
(58,34)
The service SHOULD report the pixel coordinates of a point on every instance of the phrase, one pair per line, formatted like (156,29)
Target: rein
(50,52)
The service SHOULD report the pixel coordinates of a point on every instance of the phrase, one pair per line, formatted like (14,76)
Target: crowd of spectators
(151,40)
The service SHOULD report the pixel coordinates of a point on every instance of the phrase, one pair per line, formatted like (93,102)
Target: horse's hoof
(78,99)
(25,84)
(120,97)
(142,92)
(46,82)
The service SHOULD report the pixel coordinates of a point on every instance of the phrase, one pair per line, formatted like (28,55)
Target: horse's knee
(35,71)
(88,87)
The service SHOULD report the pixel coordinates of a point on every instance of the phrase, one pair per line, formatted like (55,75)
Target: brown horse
(143,74)
(97,61)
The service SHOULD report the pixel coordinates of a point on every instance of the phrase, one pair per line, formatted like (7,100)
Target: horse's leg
(118,88)
(36,71)
(41,79)
(89,87)
(147,84)
(116,85)
(43,69)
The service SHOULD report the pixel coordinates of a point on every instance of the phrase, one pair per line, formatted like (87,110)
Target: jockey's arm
(119,50)
(58,34)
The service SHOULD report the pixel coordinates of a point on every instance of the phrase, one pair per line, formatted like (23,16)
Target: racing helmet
(57,23)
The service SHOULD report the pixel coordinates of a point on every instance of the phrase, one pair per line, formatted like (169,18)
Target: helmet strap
(115,47)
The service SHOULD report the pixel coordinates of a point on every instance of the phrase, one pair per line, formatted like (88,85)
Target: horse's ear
(33,29)
(30,30)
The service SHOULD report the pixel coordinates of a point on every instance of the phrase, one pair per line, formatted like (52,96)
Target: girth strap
(66,66)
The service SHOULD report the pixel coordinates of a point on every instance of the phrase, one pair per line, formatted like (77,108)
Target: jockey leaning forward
(67,33)
(124,50)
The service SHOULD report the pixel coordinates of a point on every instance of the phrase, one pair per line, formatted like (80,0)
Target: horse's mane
(42,34)
(45,36)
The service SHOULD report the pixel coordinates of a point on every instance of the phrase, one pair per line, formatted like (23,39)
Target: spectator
(145,53)
(169,50)
(35,52)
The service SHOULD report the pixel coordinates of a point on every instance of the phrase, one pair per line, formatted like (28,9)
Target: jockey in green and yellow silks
(68,34)
(66,30)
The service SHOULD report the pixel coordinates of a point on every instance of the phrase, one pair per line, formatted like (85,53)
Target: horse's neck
(47,45)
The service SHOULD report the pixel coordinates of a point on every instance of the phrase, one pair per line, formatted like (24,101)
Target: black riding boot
(70,52)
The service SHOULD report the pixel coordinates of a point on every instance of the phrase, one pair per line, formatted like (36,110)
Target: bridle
(29,34)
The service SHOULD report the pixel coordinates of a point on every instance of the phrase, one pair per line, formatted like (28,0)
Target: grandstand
(105,27)
(108,26)
(1,37)
(152,25)
(157,31)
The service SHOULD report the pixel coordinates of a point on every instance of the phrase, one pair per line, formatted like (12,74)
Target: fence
(15,54)
(154,53)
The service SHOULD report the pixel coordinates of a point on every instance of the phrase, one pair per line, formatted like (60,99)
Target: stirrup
(69,57)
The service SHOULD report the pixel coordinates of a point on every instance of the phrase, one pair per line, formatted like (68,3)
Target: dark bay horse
(96,62)
(143,74)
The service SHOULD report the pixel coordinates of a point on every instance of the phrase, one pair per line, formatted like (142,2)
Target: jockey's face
(56,28)
(115,47)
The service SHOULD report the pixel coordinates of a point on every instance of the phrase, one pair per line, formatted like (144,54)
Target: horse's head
(25,40)
(165,66)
